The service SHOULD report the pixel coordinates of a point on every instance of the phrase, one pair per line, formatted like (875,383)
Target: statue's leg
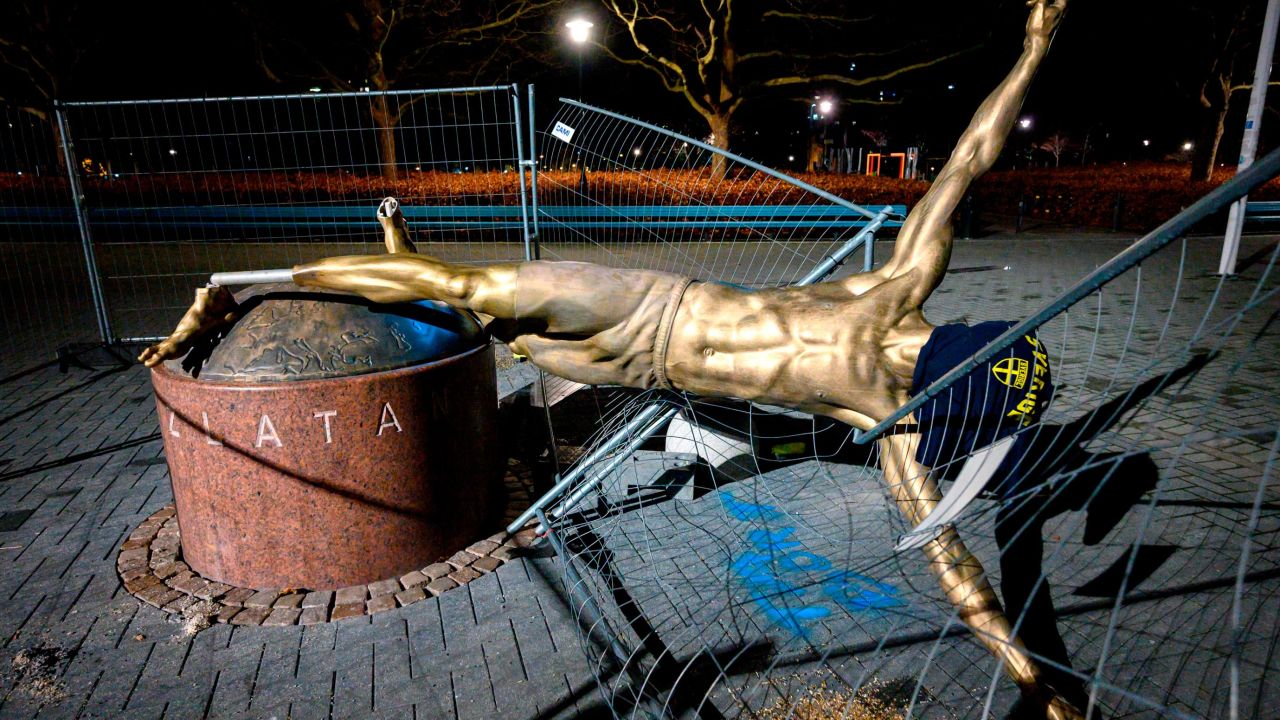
(961,575)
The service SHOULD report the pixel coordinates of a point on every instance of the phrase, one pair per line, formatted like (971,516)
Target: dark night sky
(1115,65)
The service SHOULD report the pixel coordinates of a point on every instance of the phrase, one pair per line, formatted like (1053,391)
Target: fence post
(1022,208)
(82,221)
(533,174)
(1117,211)
(520,165)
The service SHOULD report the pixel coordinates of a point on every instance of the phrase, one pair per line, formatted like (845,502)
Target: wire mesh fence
(621,192)
(751,562)
(177,189)
(45,294)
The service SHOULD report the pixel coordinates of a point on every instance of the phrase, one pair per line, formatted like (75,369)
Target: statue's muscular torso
(822,348)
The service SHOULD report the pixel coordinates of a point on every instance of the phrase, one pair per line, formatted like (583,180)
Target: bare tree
(380,45)
(39,49)
(1227,34)
(1055,145)
(716,54)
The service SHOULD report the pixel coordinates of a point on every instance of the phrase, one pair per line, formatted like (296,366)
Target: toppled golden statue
(847,349)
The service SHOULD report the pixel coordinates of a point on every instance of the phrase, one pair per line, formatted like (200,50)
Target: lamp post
(820,111)
(579,34)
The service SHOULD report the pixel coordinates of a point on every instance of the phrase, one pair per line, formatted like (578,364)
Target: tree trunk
(384,122)
(1206,151)
(1215,100)
(719,125)
(59,158)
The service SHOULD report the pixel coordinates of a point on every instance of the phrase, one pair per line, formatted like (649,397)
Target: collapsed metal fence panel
(46,299)
(748,563)
(619,191)
(177,189)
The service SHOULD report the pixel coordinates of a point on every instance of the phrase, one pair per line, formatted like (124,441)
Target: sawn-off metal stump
(328,441)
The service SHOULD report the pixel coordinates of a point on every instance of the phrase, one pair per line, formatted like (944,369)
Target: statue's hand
(214,309)
(1045,16)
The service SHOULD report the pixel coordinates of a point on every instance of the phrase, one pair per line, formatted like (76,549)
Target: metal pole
(533,174)
(295,96)
(645,416)
(652,418)
(828,266)
(524,205)
(594,617)
(82,220)
(1252,126)
(599,473)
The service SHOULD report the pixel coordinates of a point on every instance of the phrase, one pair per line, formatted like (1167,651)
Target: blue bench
(1263,211)
(467,217)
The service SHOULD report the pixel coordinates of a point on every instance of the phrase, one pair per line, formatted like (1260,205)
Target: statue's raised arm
(924,244)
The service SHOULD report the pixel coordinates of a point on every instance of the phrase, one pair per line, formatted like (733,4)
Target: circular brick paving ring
(151,567)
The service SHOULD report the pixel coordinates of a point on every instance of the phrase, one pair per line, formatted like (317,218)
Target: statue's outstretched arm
(961,574)
(924,243)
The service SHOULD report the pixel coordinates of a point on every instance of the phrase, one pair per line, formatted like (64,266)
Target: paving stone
(381,603)
(213,590)
(313,615)
(178,604)
(486,564)
(158,595)
(292,600)
(237,596)
(482,548)
(226,612)
(317,599)
(437,570)
(133,555)
(461,559)
(384,587)
(192,585)
(140,584)
(414,578)
(504,553)
(346,610)
(464,575)
(134,576)
(282,616)
(410,595)
(165,569)
(349,595)
(251,616)
(262,599)
(177,580)
(440,585)
(523,539)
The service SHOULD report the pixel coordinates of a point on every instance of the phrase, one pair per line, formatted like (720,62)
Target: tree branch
(863,81)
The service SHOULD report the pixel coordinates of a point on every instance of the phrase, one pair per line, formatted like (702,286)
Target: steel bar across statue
(848,349)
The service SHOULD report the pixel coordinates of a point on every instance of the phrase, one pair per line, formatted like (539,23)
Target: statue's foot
(1050,704)
(394,227)
(214,309)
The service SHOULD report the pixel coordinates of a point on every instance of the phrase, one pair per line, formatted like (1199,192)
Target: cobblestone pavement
(81,467)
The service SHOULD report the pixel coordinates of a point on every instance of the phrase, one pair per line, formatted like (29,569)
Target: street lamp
(825,106)
(579,34)
(1025,123)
